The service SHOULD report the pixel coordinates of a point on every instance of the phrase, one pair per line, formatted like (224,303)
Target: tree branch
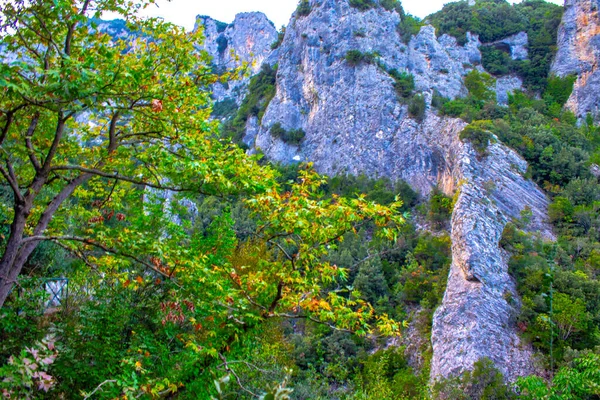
(32,127)
(237,378)
(97,172)
(90,242)
(14,185)
(98,388)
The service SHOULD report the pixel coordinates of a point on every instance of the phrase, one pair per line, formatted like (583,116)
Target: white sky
(184,12)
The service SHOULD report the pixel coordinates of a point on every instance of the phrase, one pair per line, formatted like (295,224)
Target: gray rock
(518,45)
(247,39)
(507,85)
(355,123)
(579,54)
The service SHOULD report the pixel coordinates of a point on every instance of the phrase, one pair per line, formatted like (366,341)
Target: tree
(84,116)
(104,140)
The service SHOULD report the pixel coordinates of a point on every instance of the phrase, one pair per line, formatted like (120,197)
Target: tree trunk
(9,270)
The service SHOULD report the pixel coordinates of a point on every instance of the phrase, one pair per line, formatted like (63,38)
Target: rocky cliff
(355,122)
(579,54)
(248,39)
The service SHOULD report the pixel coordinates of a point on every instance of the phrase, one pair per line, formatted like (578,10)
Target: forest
(186,268)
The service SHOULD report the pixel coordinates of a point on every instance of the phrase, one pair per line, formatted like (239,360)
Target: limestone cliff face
(247,39)
(355,123)
(579,54)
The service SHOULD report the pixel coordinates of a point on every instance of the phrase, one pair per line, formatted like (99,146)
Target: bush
(391,5)
(225,108)
(293,137)
(404,83)
(478,134)
(559,89)
(363,5)
(408,27)
(417,108)
(483,382)
(303,8)
(496,61)
(280,37)
(480,85)
(261,91)
(439,208)
(356,57)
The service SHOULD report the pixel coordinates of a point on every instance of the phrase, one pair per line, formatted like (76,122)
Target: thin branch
(249,365)
(124,178)
(30,131)
(237,378)
(91,242)
(277,298)
(98,388)
(107,199)
(13,184)
(112,133)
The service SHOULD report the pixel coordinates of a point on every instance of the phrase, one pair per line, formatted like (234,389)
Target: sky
(183,12)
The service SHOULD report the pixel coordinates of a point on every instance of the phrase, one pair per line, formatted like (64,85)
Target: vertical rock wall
(247,39)
(355,123)
(579,54)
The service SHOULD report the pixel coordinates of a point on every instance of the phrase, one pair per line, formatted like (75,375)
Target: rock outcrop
(248,39)
(355,123)
(579,54)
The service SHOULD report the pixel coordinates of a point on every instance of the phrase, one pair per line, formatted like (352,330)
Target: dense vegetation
(261,91)
(497,19)
(196,271)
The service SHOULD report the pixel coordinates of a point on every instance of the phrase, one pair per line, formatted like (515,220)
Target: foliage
(483,382)
(261,91)
(303,8)
(225,108)
(497,60)
(479,134)
(480,85)
(439,208)
(356,57)
(559,90)
(391,5)
(167,293)
(417,107)
(280,37)
(363,5)
(578,380)
(494,20)
(27,373)
(293,137)
(404,83)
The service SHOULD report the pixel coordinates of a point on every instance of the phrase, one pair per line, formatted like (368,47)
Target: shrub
(280,36)
(293,137)
(496,61)
(408,26)
(439,208)
(303,8)
(356,57)
(261,91)
(363,5)
(225,108)
(404,83)
(417,108)
(391,5)
(480,85)
(559,89)
(478,133)
(483,382)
